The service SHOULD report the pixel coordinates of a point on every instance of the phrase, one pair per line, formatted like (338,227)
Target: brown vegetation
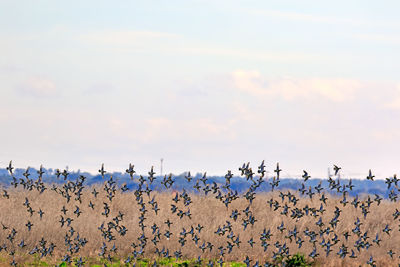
(205,210)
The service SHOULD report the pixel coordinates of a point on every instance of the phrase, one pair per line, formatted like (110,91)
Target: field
(104,224)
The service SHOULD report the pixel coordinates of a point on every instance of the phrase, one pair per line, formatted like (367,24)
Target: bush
(296,260)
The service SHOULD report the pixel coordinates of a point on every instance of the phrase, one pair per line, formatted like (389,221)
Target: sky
(205,85)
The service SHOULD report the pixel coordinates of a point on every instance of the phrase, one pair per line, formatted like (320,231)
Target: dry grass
(205,210)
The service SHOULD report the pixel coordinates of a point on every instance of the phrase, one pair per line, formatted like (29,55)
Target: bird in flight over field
(10,167)
(305,176)
(277,170)
(102,171)
(336,169)
(370,176)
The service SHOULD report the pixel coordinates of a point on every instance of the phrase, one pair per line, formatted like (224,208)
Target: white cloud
(391,39)
(124,37)
(276,56)
(337,90)
(395,102)
(205,128)
(144,41)
(386,135)
(99,88)
(299,16)
(38,87)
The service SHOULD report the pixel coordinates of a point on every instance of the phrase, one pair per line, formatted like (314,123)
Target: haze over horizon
(206,85)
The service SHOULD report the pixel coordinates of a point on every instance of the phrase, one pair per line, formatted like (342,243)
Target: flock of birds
(330,241)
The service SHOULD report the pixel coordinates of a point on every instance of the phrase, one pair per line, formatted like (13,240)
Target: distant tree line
(180,182)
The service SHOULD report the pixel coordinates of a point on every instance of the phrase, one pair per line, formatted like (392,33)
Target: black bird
(387,229)
(261,169)
(313,253)
(377,240)
(151,172)
(370,176)
(102,171)
(22,244)
(4,228)
(40,171)
(188,177)
(247,261)
(64,210)
(244,168)
(77,211)
(371,261)
(65,174)
(10,168)
(336,169)
(353,255)
(40,212)
(130,170)
(95,193)
(277,170)
(391,253)
(26,173)
(57,173)
(305,176)
(378,199)
(168,223)
(29,225)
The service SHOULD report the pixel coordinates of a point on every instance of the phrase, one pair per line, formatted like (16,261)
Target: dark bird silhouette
(277,170)
(336,169)
(10,168)
(305,176)
(5,194)
(102,171)
(130,170)
(370,176)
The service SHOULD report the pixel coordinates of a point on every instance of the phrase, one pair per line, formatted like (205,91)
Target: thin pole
(161,166)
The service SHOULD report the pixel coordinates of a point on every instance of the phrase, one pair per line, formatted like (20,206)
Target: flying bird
(336,169)
(370,176)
